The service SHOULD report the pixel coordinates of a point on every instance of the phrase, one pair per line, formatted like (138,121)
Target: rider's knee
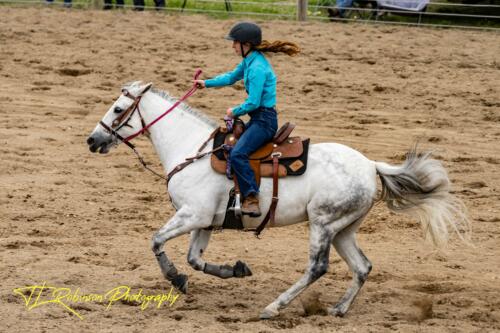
(236,159)
(237,155)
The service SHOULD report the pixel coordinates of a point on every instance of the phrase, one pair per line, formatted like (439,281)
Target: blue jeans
(341,4)
(260,129)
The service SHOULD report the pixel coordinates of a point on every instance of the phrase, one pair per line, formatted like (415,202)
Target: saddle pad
(218,141)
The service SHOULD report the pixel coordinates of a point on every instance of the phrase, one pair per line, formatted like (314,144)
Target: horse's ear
(145,88)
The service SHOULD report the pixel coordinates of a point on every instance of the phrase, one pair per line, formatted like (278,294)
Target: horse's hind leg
(198,245)
(320,239)
(360,266)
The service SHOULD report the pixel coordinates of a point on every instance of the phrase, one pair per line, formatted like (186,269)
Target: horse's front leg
(198,245)
(184,221)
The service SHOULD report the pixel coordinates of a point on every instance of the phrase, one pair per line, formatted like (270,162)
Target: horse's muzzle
(96,144)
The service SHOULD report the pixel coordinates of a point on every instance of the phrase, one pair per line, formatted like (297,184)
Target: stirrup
(237,206)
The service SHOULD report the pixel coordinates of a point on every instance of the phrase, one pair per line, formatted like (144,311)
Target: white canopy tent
(412,5)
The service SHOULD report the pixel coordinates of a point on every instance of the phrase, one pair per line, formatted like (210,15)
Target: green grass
(485,11)
(264,8)
(269,9)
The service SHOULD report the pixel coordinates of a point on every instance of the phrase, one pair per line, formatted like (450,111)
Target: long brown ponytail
(289,48)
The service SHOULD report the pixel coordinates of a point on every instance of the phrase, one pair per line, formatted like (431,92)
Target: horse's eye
(118,109)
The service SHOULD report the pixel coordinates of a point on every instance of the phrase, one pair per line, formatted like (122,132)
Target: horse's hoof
(268,313)
(336,311)
(241,269)
(180,281)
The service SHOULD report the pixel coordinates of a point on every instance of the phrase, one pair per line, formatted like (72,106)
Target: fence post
(302,10)
(97,4)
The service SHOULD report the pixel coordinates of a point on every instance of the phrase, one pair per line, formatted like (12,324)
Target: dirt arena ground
(78,220)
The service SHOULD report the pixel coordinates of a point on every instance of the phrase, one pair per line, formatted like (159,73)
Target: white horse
(334,194)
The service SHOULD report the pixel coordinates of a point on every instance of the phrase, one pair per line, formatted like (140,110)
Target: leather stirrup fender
(274,203)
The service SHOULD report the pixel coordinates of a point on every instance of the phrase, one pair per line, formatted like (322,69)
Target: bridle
(124,118)
(119,122)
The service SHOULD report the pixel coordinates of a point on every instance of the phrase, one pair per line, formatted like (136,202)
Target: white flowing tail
(420,187)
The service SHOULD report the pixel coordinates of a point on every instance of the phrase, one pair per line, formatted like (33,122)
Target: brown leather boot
(251,206)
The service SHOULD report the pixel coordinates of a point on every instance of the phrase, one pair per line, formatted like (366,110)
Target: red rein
(183,98)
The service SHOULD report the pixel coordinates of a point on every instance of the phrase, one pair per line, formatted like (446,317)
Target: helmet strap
(243,53)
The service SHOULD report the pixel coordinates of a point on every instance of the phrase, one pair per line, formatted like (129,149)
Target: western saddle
(283,156)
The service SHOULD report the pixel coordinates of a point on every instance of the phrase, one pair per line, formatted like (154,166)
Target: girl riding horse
(260,84)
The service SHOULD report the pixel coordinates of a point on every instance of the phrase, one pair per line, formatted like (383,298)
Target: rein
(119,122)
(183,98)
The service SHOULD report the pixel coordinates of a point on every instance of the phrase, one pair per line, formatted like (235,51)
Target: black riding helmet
(246,32)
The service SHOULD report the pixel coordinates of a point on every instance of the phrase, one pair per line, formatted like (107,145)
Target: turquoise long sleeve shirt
(259,79)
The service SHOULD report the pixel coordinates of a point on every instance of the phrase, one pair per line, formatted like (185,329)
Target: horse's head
(121,120)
